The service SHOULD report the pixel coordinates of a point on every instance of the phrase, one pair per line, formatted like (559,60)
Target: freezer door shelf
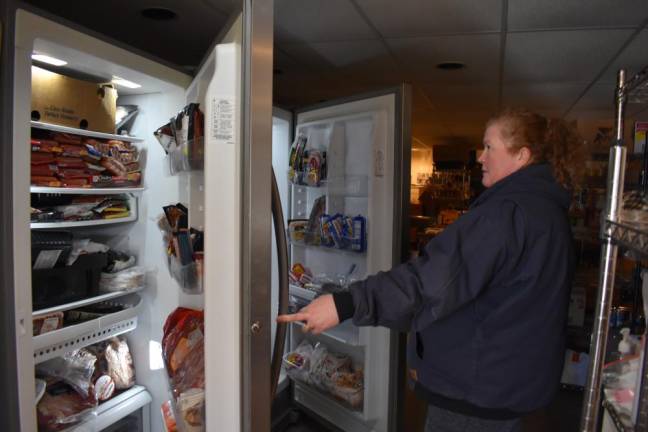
(83,132)
(58,342)
(115,409)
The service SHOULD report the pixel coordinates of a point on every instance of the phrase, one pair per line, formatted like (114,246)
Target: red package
(46,146)
(64,138)
(181,339)
(113,166)
(40,158)
(70,162)
(45,181)
(74,150)
(70,173)
(77,182)
(169,419)
(43,170)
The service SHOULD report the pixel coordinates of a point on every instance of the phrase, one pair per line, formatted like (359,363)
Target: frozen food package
(104,387)
(62,407)
(75,368)
(125,280)
(297,363)
(191,408)
(47,323)
(120,364)
(314,220)
(168,417)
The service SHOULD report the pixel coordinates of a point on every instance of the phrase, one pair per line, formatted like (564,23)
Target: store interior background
(558,58)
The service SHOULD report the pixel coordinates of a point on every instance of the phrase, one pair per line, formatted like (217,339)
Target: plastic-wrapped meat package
(120,364)
(62,406)
(75,368)
(183,351)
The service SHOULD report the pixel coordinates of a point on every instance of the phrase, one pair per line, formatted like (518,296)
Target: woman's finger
(299,316)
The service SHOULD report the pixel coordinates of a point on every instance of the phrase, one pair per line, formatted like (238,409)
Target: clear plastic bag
(124,280)
(297,363)
(75,368)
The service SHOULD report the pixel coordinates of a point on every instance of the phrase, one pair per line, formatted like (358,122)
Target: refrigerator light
(155,356)
(47,59)
(125,83)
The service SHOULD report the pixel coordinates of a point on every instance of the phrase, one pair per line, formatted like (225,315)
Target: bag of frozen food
(75,368)
(297,363)
(47,323)
(120,364)
(62,406)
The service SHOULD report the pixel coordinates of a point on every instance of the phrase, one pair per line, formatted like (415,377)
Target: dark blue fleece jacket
(486,302)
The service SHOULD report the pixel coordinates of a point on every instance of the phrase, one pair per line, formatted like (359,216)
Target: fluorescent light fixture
(125,83)
(155,355)
(49,60)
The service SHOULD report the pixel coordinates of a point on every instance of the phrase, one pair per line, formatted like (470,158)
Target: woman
(486,303)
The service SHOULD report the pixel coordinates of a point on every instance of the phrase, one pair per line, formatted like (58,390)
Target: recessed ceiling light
(49,60)
(158,14)
(451,65)
(125,83)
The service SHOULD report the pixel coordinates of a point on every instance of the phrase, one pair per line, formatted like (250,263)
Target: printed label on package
(47,259)
(223,112)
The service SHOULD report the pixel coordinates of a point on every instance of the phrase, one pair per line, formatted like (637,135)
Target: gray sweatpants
(440,420)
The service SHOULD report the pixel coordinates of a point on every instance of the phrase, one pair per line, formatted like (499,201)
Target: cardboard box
(65,101)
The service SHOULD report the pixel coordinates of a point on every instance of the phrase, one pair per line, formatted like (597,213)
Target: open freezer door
(362,146)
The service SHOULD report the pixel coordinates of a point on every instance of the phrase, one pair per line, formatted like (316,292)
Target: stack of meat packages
(72,385)
(183,349)
(66,160)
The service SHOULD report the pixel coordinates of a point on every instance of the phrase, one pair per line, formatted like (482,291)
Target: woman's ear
(524,156)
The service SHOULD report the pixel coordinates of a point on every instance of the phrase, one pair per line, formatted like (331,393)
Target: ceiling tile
(472,97)
(337,54)
(541,14)
(560,56)
(419,56)
(424,17)
(633,58)
(319,21)
(553,96)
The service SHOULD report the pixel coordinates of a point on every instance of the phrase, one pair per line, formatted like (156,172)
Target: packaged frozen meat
(168,417)
(120,364)
(62,407)
(125,280)
(47,323)
(184,357)
(74,368)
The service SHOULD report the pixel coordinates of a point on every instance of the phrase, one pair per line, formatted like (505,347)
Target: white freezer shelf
(78,224)
(83,132)
(86,191)
(85,302)
(329,408)
(328,249)
(58,342)
(115,409)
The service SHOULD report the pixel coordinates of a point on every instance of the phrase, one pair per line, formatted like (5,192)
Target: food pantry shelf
(86,191)
(75,131)
(58,342)
(85,302)
(115,409)
(628,235)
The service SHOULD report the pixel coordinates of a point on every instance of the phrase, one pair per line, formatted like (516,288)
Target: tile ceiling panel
(318,21)
(633,58)
(598,97)
(339,54)
(561,56)
(419,56)
(554,96)
(541,14)
(408,18)
(463,97)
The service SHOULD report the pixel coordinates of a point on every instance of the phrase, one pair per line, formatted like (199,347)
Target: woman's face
(496,159)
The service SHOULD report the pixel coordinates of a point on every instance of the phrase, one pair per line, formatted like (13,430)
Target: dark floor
(563,415)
